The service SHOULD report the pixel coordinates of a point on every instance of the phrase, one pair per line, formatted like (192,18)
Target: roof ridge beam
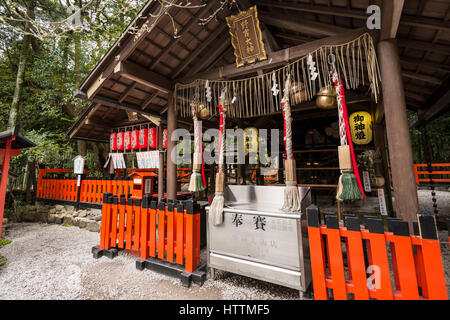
(137,73)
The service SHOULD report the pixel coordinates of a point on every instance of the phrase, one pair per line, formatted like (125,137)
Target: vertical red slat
(152,228)
(161,229)
(170,233)
(378,257)
(336,263)
(144,232)
(179,217)
(137,224)
(129,223)
(356,265)
(122,208)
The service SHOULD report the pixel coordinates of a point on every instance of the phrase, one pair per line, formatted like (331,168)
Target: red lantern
(165,138)
(143,139)
(127,140)
(113,142)
(119,144)
(152,138)
(134,139)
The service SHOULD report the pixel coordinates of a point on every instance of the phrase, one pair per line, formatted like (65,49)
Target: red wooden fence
(150,229)
(416,260)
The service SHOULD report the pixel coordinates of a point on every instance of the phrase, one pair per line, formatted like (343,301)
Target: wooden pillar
(4,180)
(399,141)
(161,165)
(171,165)
(380,144)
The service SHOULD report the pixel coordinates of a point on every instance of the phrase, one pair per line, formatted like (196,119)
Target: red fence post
(170,232)
(316,249)
(144,227)
(434,280)
(105,225)
(355,258)
(161,231)
(152,228)
(190,229)
(179,217)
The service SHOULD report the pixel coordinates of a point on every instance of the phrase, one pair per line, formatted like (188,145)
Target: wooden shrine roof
(141,68)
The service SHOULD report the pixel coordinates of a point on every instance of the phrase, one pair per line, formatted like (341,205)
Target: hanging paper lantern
(113,142)
(164,138)
(134,139)
(120,144)
(361,127)
(152,138)
(127,140)
(143,139)
(251,139)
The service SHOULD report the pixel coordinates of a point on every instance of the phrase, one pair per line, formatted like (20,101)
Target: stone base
(173,270)
(109,253)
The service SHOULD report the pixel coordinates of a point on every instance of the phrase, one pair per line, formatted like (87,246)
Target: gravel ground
(54,262)
(442,201)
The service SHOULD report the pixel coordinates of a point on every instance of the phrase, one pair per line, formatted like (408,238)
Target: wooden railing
(442,169)
(416,260)
(165,231)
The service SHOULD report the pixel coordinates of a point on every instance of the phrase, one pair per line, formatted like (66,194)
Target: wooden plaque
(246,37)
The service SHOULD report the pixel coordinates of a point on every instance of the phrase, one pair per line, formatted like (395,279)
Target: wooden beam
(137,73)
(149,100)
(81,121)
(426,64)
(171,169)
(397,129)
(223,43)
(407,20)
(291,22)
(185,29)
(293,37)
(127,92)
(391,12)
(425,46)
(194,54)
(108,102)
(415,96)
(422,77)
(436,104)
(277,58)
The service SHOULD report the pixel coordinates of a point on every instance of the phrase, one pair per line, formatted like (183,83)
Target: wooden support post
(400,151)
(161,165)
(4,180)
(380,144)
(171,149)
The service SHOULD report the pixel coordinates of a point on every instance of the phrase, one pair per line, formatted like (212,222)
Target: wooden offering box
(142,183)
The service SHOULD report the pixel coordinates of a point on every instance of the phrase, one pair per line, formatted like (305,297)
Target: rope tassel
(349,185)
(196,181)
(291,195)
(216,208)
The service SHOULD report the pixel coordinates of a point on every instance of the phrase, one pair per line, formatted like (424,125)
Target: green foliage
(3,262)
(67,225)
(4,242)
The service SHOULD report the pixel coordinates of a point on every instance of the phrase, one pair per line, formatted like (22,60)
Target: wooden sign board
(246,37)
(78,165)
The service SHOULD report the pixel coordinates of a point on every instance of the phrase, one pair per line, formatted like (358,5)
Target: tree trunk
(14,111)
(31,174)
(100,156)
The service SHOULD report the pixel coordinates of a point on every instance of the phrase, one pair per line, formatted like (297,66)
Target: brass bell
(326,98)
(203,111)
